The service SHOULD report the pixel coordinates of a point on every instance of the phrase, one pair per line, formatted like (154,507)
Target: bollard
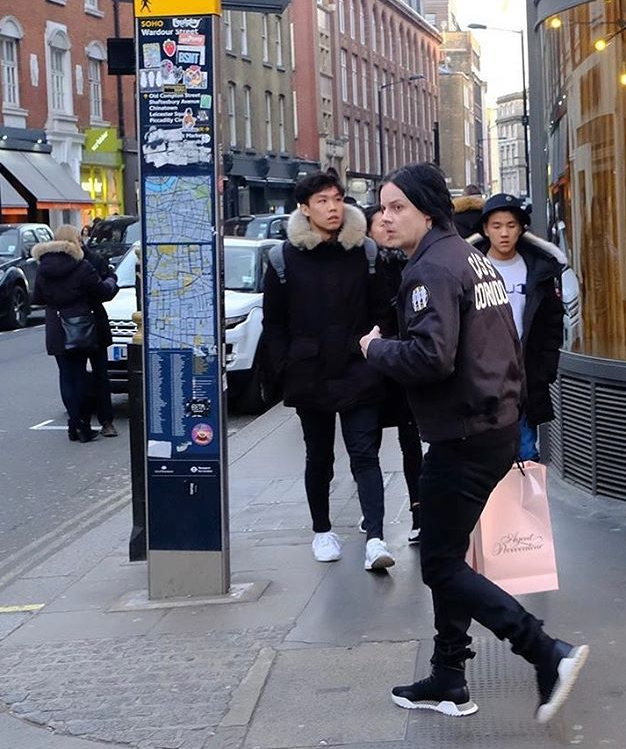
(137,547)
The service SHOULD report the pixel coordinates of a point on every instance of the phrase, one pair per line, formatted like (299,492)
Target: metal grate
(587,438)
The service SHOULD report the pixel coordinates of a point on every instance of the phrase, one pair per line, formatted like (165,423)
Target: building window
(244,35)
(361,23)
(10,79)
(352,20)
(355,79)
(232,113)
(281,124)
(228,30)
(247,118)
(357,146)
(268,121)
(279,41)
(374,32)
(295,114)
(264,39)
(95,89)
(376,85)
(366,147)
(57,78)
(364,83)
(342,16)
(344,75)
(92,5)
(383,36)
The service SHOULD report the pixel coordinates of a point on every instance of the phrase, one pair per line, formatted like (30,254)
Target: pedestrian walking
(99,399)
(460,359)
(395,410)
(531,268)
(69,287)
(468,211)
(324,288)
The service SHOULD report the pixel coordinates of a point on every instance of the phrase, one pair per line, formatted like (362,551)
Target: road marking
(42,425)
(21,608)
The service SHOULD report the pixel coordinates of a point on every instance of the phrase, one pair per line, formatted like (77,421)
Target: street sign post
(186,466)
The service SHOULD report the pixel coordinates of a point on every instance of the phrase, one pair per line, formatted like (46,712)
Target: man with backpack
(324,289)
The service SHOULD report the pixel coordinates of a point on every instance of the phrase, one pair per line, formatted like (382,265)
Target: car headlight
(232,322)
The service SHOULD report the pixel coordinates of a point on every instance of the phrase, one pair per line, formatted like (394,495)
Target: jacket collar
(62,247)
(351,234)
(431,238)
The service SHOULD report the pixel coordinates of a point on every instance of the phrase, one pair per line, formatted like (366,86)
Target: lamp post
(525,121)
(381,142)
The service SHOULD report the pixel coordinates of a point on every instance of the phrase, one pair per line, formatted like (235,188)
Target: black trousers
(360,431)
(456,481)
(73,384)
(101,387)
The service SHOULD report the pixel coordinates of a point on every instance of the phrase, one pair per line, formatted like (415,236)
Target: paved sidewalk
(310,662)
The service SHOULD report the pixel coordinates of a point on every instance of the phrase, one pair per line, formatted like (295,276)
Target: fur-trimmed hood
(528,241)
(465,203)
(352,233)
(62,247)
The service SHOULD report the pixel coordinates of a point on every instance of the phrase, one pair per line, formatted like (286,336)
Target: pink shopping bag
(512,543)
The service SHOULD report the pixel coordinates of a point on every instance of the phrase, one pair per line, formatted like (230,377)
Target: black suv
(111,238)
(17,270)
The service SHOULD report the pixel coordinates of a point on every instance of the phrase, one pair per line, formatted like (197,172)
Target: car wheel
(18,309)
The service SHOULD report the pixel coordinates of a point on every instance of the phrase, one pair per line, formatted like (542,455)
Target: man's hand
(373,335)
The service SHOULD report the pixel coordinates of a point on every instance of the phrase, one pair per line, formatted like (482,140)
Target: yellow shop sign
(148,8)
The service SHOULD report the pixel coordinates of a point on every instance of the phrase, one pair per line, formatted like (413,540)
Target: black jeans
(101,387)
(359,427)
(411,448)
(73,384)
(456,481)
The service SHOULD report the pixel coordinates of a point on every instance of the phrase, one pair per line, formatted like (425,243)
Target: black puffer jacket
(468,210)
(67,283)
(542,321)
(312,323)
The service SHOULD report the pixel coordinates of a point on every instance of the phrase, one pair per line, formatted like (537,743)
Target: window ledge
(282,68)
(58,2)
(94,12)
(8,108)
(267,64)
(63,116)
(97,122)
(230,53)
(246,58)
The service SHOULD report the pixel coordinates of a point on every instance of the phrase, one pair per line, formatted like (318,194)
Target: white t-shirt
(514,273)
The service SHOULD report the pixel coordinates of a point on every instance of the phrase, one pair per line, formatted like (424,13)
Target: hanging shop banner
(181,282)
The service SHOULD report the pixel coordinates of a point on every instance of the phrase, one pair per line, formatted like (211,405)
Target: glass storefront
(584,52)
(101,173)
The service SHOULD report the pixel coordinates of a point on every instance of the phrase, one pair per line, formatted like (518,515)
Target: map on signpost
(181,309)
(178,209)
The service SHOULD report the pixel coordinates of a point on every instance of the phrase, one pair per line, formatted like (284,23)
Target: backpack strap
(276,256)
(371,253)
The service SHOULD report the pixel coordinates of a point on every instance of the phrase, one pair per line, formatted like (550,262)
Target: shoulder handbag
(79,331)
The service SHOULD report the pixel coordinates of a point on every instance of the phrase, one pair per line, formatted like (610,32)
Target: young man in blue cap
(531,269)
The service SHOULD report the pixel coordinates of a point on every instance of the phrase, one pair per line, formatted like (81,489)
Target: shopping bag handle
(520,466)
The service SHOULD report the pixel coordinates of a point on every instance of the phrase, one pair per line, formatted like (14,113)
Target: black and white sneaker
(556,677)
(431,694)
(414,536)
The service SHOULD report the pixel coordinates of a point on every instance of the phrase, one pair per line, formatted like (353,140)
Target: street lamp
(381,143)
(525,122)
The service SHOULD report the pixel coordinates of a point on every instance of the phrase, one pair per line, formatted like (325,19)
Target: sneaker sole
(328,559)
(414,541)
(445,707)
(381,563)
(568,669)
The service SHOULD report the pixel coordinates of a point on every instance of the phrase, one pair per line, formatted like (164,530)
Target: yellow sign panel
(159,8)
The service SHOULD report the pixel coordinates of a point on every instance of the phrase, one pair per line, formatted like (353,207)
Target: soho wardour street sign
(186,462)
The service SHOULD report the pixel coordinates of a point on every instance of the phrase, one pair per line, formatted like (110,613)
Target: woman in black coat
(69,286)
(395,409)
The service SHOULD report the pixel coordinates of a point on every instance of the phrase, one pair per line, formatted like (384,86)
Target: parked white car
(245,262)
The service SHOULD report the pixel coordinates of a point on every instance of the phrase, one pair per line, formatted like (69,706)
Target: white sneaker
(377,556)
(326,547)
(360,525)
